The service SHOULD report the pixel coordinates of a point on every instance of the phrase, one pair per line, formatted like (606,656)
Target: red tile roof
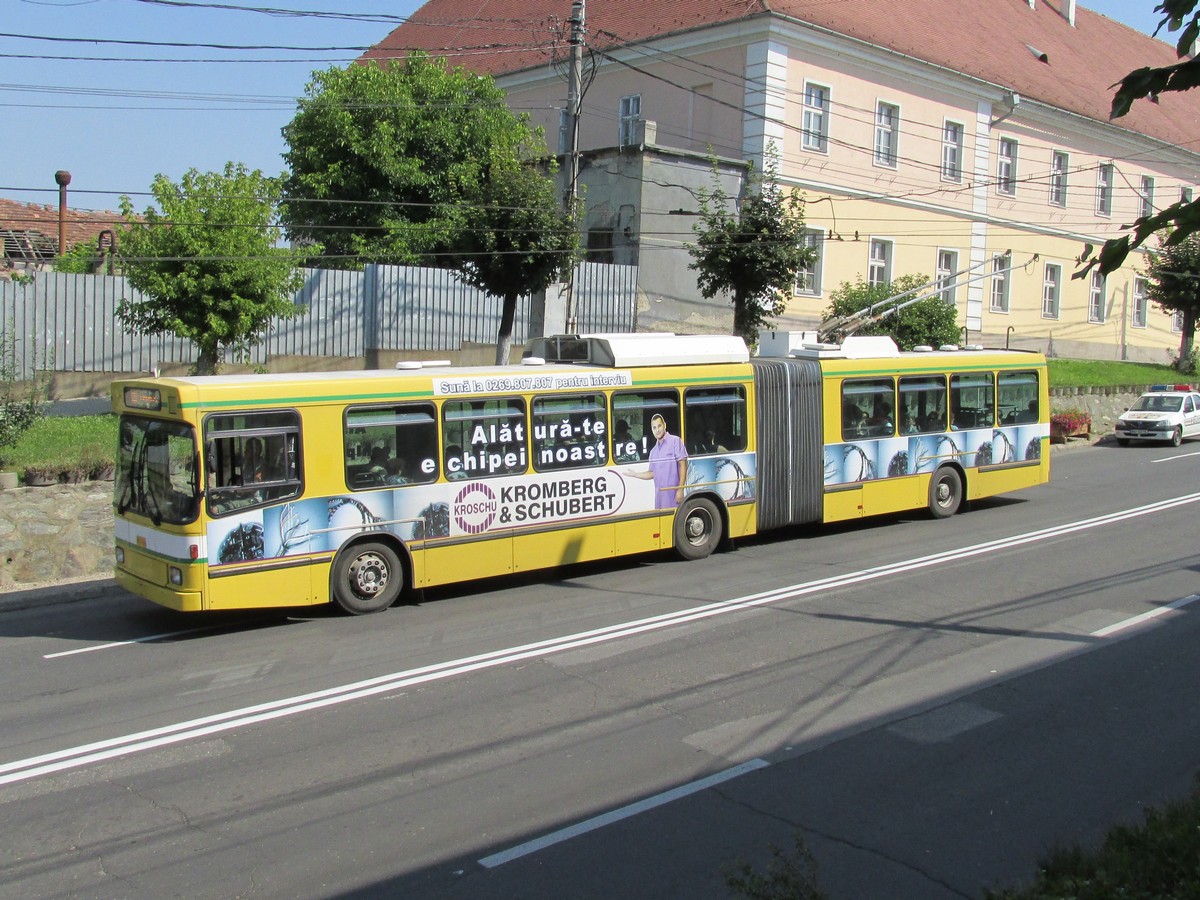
(80,226)
(986,39)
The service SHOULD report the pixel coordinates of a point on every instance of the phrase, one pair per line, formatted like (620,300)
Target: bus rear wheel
(367,578)
(945,493)
(697,528)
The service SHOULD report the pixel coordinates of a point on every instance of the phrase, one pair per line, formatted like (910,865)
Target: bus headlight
(120,556)
(175,575)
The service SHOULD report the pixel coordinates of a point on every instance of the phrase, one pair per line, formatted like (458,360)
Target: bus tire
(698,528)
(945,492)
(367,578)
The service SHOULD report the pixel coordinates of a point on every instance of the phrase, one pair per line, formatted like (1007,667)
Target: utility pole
(574,104)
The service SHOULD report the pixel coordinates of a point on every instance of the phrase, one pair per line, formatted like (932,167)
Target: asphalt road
(929,705)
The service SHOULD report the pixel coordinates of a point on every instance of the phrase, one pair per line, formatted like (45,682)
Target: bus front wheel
(367,578)
(697,528)
(945,493)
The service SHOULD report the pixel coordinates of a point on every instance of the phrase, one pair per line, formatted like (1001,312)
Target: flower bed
(1068,424)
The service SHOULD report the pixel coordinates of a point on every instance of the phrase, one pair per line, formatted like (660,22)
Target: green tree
(516,240)
(208,263)
(1173,282)
(382,158)
(930,321)
(1179,219)
(753,252)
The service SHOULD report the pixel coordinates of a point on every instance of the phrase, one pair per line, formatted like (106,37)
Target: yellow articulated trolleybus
(238,492)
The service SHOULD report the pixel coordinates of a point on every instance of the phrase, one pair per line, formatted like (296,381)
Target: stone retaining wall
(65,531)
(54,533)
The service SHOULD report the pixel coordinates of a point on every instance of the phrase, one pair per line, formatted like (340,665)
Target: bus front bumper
(180,601)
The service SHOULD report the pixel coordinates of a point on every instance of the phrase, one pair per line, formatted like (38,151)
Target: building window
(631,113)
(1139,303)
(1177,322)
(1185,194)
(879,266)
(808,277)
(1050,290)
(952,151)
(1006,167)
(1058,179)
(947,270)
(1000,284)
(887,134)
(1147,197)
(1096,298)
(1104,186)
(816,118)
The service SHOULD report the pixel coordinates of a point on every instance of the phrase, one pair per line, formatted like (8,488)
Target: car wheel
(1177,436)
(945,493)
(367,578)
(697,528)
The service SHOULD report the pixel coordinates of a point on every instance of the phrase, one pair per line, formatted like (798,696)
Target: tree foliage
(516,241)
(208,263)
(1183,218)
(1173,282)
(930,321)
(752,250)
(382,158)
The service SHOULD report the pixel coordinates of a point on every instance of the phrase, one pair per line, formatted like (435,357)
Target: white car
(1167,412)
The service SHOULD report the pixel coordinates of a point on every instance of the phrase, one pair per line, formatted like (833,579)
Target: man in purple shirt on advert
(668,466)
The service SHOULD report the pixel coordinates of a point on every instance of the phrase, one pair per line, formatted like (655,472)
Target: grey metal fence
(68,323)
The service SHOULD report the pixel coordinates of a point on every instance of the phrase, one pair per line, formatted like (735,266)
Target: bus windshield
(156,470)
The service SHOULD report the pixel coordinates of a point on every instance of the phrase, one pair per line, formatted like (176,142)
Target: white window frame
(1146,197)
(1006,166)
(1000,284)
(1177,321)
(1140,305)
(952,150)
(1185,193)
(1051,290)
(946,270)
(808,278)
(1104,189)
(1060,162)
(1096,298)
(815,133)
(879,261)
(887,134)
(629,114)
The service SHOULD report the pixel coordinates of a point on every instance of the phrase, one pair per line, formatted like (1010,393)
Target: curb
(46,595)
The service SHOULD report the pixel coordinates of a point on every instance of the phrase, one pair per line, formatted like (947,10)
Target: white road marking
(616,815)
(148,639)
(1146,616)
(86,754)
(1173,458)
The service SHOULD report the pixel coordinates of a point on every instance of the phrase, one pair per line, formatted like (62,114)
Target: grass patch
(1109,373)
(64,445)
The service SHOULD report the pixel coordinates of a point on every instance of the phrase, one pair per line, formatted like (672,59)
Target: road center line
(99,751)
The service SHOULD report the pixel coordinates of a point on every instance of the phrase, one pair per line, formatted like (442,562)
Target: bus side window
(636,409)
(715,420)
(390,445)
(875,400)
(972,401)
(1018,397)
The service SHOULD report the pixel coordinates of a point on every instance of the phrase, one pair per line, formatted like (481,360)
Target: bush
(1070,421)
(21,403)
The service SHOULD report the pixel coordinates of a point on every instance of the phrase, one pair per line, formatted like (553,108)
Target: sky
(118,91)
